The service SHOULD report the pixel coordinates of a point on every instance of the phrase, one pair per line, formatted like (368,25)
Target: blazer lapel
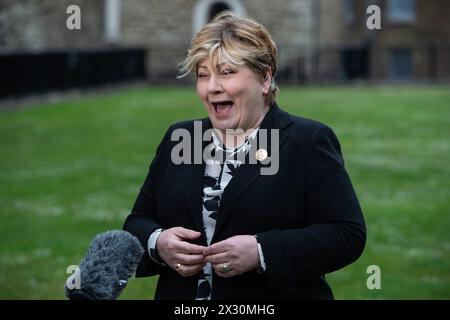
(193,185)
(248,172)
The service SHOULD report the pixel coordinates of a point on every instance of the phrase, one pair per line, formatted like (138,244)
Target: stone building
(32,26)
(318,40)
(412,44)
(163,28)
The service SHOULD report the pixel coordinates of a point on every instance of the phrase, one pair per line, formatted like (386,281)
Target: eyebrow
(218,66)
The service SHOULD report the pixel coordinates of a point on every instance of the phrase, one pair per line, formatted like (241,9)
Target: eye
(228,71)
(202,75)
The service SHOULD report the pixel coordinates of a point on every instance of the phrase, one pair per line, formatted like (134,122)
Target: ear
(267,82)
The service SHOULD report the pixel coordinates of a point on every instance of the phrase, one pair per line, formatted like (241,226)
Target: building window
(401,64)
(205,10)
(402,10)
(217,8)
(348,11)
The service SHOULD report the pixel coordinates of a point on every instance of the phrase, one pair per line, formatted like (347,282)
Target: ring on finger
(225,268)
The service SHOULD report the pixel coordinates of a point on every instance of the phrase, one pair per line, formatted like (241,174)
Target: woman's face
(233,97)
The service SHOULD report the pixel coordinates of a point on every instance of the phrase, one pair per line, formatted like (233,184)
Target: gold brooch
(261,154)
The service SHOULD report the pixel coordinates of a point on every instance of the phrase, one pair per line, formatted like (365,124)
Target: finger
(216,248)
(225,275)
(217,258)
(186,233)
(189,259)
(186,247)
(218,269)
(189,271)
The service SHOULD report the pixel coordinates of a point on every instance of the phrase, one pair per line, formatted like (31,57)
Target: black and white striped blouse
(218,173)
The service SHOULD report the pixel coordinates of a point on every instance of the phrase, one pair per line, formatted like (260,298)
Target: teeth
(223,102)
(217,104)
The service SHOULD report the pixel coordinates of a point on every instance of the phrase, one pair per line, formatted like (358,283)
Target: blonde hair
(235,40)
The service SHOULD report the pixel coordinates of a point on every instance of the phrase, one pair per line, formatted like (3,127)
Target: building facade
(412,44)
(319,40)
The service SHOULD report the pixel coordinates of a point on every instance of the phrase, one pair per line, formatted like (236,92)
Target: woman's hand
(233,256)
(184,257)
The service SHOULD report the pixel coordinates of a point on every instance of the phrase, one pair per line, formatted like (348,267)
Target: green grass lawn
(72,169)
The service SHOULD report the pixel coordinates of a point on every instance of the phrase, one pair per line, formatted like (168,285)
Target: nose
(214,85)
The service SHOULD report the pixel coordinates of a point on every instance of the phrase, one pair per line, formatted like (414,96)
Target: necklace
(230,153)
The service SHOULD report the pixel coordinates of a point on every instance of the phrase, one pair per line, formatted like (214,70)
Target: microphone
(111,259)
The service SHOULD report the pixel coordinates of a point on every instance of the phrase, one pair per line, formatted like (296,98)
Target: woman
(221,228)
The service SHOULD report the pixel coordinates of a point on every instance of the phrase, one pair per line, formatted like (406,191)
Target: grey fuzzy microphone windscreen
(111,259)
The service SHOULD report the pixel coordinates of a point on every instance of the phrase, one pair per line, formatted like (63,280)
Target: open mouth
(222,108)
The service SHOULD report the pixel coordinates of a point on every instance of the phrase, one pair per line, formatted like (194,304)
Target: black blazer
(307,217)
